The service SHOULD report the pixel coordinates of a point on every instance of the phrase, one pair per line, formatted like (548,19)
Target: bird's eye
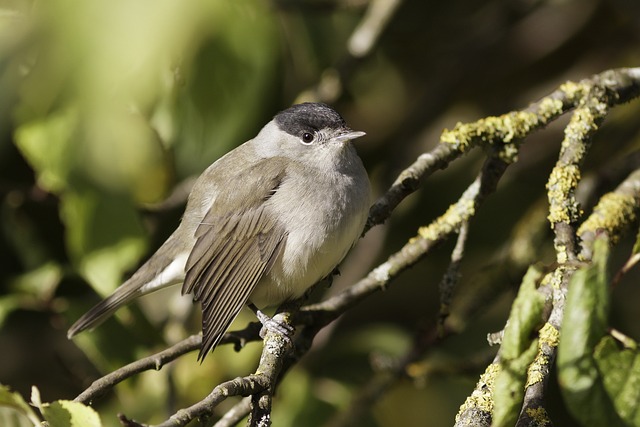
(307,138)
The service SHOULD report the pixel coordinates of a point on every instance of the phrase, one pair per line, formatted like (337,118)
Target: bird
(262,224)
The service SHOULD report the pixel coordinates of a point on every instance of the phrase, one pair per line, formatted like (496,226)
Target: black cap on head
(308,117)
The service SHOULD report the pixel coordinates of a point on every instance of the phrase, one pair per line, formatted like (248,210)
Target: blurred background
(108,110)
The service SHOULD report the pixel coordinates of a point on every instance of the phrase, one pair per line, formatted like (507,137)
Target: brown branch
(234,415)
(156,361)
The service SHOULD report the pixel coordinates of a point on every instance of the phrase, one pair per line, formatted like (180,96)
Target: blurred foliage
(600,377)
(109,108)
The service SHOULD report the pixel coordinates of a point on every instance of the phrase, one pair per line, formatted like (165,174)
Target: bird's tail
(105,308)
(164,268)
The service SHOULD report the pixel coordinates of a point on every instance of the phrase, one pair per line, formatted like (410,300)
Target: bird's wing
(237,242)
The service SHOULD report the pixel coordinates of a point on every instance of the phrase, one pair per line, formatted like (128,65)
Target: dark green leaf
(584,325)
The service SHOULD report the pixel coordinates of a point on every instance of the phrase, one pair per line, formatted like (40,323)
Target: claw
(274,324)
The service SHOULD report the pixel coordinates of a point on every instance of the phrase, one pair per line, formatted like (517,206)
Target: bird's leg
(273,324)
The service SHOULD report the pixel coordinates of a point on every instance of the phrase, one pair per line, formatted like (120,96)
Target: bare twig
(451,277)
(367,33)
(158,360)
(234,415)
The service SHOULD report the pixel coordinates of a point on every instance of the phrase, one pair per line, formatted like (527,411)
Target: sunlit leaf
(14,411)
(31,289)
(105,237)
(65,413)
(39,283)
(8,304)
(47,145)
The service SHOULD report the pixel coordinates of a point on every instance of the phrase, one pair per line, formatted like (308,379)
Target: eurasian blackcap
(262,224)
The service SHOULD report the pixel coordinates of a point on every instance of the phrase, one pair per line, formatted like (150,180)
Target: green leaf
(105,237)
(510,385)
(620,370)
(65,413)
(31,289)
(518,349)
(584,325)
(40,283)
(8,304)
(47,146)
(14,411)
(525,317)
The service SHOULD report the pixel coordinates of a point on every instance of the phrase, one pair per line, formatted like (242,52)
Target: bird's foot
(275,324)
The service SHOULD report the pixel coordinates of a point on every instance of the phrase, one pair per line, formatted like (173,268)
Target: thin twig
(156,361)
(234,415)
(451,278)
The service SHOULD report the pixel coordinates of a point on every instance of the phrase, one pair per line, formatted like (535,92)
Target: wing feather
(233,251)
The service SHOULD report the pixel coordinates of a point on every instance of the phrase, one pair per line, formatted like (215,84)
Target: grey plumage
(262,224)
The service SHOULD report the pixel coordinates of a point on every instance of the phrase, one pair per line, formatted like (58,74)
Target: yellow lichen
(613,213)
(573,90)
(549,108)
(539,416)
(549,336)
(481,397)
(562,255)
(582,123)
(553,279)
(449,221)
(561,185)
(506,129)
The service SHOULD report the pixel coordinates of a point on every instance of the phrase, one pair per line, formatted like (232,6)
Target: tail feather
(164,268)
(105,308)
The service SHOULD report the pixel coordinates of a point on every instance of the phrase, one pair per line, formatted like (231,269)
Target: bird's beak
(349,135)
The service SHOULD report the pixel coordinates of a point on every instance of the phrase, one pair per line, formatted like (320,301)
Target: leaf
(584,325)
(65,413)
(46,144)
(620,370)
(14,411)
(518,349)
(8,304)
(105,240)
(510,385)
(105,237)
(525,316)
